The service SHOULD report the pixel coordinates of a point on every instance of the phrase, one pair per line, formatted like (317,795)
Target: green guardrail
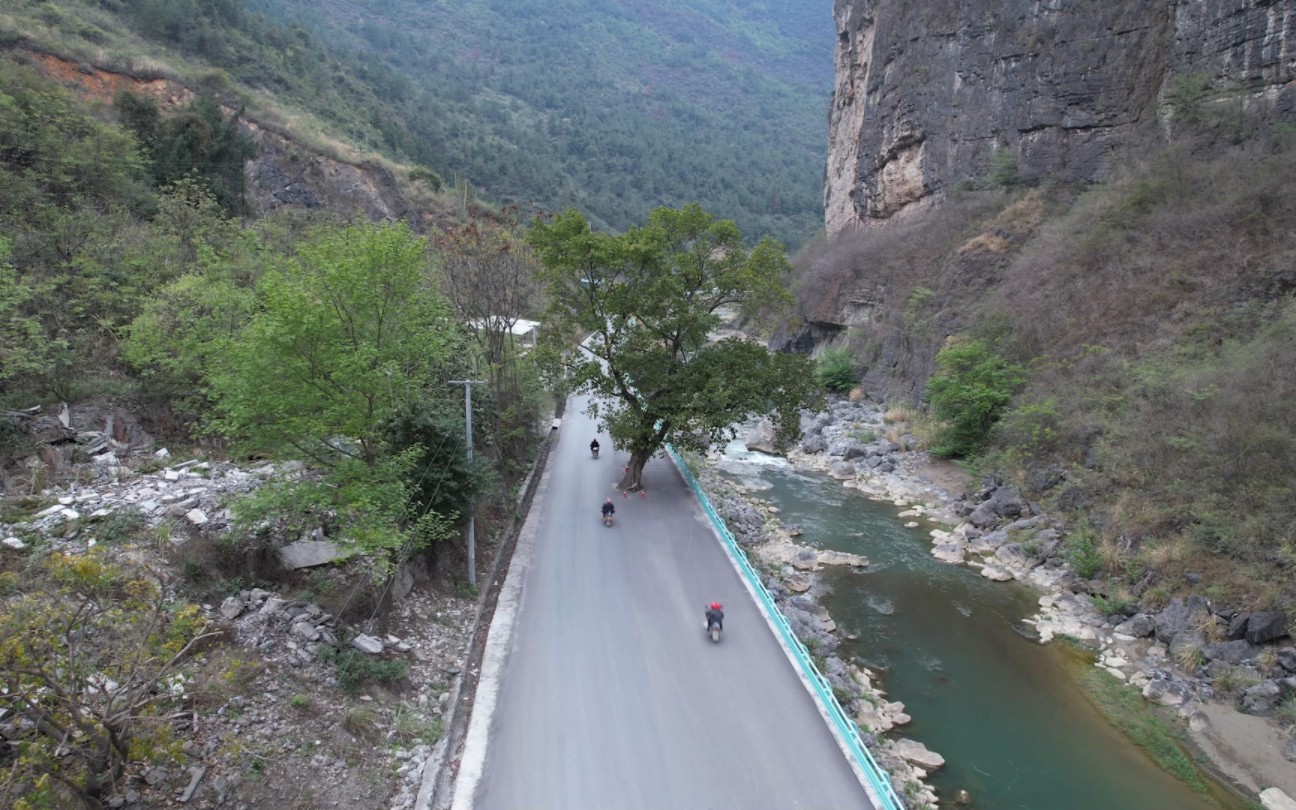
(878,779)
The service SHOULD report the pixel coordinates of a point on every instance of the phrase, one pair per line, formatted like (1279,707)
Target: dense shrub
(835,369)
(968,392)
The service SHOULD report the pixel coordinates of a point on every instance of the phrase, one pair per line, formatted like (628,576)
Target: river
(1005,711)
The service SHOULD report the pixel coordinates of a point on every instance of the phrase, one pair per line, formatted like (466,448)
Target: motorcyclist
(609,508)
(715,615)
(594,447)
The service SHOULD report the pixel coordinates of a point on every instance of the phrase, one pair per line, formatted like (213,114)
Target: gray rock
(763,438)
(983,516)
(842,469)
(1232,652)
(1237,626)
(310,553)
(1262,699)
(814,444)
(1014,556)
(231,608)
(916,753)
(367,644)
(1198,721)
(1166,692)
(987,543)
(1287,658)
(1140,625)
(1266,625)
(1179,616)
(307,631)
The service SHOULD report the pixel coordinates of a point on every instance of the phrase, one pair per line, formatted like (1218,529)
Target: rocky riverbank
(1204,662)
(789,571)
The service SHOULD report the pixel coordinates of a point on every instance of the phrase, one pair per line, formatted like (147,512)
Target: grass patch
(355,668)
(1125,709)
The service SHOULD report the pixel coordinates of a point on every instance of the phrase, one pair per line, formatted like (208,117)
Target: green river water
(1005,712)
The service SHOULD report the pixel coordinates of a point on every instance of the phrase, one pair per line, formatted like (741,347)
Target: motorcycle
(607,518)
(713,630)
(594,452)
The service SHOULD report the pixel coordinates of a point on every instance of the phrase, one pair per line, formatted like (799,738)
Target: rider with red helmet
(715,615)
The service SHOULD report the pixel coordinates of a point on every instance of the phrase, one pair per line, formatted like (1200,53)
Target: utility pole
(472,507)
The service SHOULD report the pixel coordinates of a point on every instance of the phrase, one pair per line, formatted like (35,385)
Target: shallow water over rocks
(1003,710)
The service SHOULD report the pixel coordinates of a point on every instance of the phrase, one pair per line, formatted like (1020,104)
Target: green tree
(649,299)
(24,351)
(352,333)
(968,392)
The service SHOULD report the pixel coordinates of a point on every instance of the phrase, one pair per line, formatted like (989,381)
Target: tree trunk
(632,480)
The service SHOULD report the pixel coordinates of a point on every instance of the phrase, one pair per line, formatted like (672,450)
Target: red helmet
(716,606)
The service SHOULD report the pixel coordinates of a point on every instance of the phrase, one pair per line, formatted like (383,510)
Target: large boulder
(1231,652)
(1237,626)
(1013,557)
(813,443)
(1004,503)
(1275,799)
(1140,625)
(1262,699)
(1287,657)
(1166,692)
(763,438)
(1180,616)
(915,753)
(1265,626)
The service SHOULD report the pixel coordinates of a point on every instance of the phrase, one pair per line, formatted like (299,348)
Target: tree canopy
(649,299)
(352,338)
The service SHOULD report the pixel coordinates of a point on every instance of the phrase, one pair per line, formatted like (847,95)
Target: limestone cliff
(937,93)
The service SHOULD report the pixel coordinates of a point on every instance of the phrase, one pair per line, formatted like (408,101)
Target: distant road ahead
(612,697)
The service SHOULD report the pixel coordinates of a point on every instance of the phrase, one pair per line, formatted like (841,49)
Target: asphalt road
(610,696)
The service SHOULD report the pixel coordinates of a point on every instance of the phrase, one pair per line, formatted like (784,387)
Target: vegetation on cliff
(1154,317)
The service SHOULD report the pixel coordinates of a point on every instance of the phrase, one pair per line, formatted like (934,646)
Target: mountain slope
(612,107)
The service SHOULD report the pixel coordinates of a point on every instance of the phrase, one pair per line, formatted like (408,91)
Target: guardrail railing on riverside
(877,778)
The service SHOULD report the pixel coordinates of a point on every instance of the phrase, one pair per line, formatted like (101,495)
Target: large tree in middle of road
(649,300)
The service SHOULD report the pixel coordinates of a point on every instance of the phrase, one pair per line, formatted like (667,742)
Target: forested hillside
(611,107)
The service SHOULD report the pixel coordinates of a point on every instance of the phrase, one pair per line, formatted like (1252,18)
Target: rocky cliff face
(941,92)
(284,173)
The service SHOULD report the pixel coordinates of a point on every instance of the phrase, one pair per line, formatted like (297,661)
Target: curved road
(602,690)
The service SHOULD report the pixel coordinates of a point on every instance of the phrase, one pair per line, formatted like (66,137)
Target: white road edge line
(498,641)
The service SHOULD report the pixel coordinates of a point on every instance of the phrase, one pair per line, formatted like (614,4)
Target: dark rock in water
(962,797)
(1266,625)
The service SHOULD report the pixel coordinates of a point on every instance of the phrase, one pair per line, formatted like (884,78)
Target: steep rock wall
(929,93)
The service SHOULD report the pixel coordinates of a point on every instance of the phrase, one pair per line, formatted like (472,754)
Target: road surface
(609,695)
